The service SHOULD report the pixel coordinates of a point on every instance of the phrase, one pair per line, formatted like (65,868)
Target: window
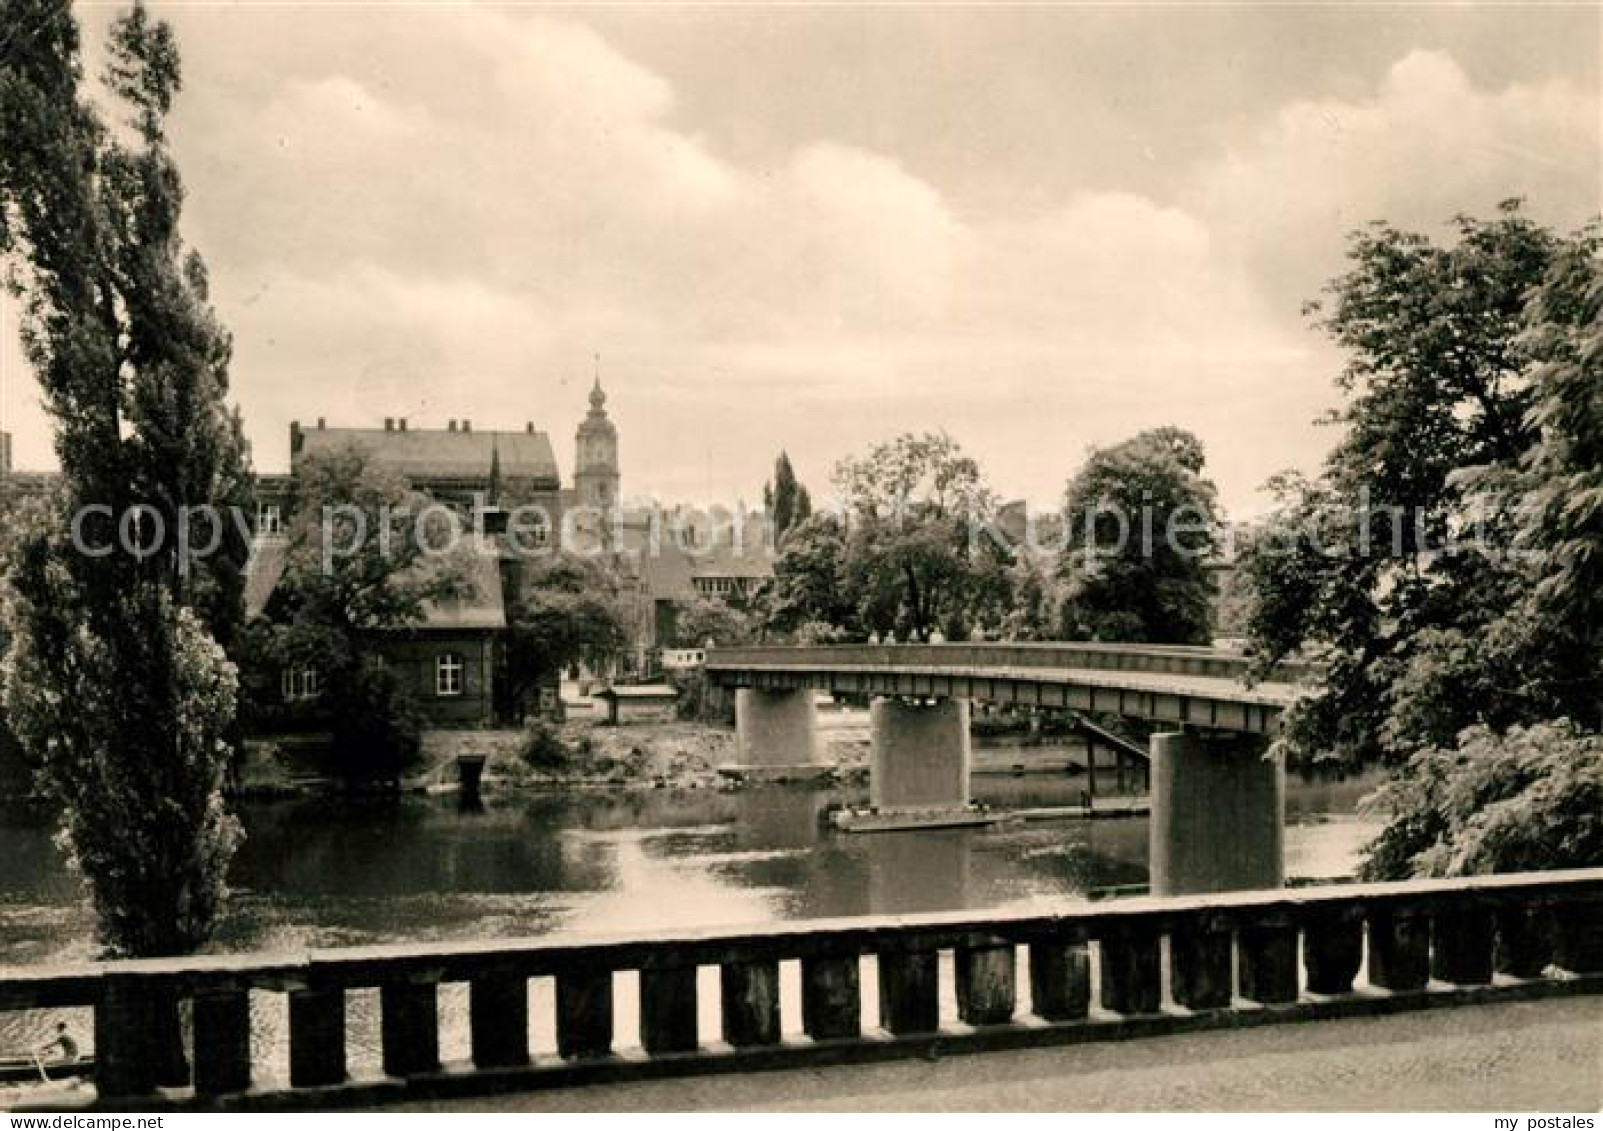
(269,520)
(298,684)
(448,674)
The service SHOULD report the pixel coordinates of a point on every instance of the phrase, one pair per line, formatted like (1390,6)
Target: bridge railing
(1080,972)
(1153,659)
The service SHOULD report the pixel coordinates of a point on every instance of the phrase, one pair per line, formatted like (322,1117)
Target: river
(327,871)
(330,872)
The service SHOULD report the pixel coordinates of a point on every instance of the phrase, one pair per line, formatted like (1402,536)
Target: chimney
(402,423)
(450,425)
(528,427)
(319,423)
(389,424)
(467,425)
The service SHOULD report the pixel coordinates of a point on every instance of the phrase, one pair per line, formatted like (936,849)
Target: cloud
(454,231)
(455,255)
(1425,145)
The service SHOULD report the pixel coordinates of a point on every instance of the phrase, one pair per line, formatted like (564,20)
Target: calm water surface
(325,872)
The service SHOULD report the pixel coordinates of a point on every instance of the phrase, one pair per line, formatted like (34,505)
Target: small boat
(870,820)
(25,1070)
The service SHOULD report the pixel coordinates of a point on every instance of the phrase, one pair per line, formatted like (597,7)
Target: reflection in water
(325,872)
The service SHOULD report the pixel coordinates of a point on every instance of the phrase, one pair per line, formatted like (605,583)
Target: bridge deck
(1516,1056)
(1198,687)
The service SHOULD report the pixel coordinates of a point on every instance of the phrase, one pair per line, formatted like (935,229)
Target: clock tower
(595,473)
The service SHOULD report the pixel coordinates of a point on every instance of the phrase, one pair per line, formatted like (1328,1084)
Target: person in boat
(61,1049)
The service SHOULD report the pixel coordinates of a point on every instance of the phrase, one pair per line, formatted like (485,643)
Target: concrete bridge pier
(1218,814)
(776,734)
(919,754)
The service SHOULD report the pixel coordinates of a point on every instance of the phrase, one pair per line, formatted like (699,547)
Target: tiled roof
(667,573)
(433,454)
(639,691)
(264,569)
(724,561)
(670,572)
(481,605)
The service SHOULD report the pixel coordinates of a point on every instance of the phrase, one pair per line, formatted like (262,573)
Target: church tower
(595,473)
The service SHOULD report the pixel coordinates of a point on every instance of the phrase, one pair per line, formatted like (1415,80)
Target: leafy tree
(706,618)
(365,554)
(1559,533)
(566,609)
(1369,565)
(1525,799)
(809,582)
(1460,616)
(1139,525)
(917,558)
(785,499)
(115,681)
(1036,608)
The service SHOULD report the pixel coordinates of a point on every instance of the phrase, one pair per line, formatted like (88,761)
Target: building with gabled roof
(449,657)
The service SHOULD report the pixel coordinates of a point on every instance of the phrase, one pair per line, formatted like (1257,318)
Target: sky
(1039,228)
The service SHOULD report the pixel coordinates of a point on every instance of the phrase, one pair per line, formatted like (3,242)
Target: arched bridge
(1217,799)
(1190,686)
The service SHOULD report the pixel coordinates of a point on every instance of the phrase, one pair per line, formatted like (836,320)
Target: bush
(1527,799)
(699,701)
(377,732)
(815,632)
(542,749)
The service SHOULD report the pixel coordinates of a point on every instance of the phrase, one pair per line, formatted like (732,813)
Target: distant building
(672,575)
(595,473)
(641,703)
(449,658)
(15,485)
(667,556)
(455,464)
(683,659)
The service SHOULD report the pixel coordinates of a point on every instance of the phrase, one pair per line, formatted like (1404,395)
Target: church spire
(595,472)
(598,398)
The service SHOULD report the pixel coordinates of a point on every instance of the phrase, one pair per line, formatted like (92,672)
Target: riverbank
(579,754)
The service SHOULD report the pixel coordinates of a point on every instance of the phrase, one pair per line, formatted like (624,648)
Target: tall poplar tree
(787,501)
(116,681)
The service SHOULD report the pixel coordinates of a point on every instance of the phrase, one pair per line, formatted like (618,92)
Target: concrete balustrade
(750,992)
(222,1026)
(1232,959)
(909,992)
(498,1015)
